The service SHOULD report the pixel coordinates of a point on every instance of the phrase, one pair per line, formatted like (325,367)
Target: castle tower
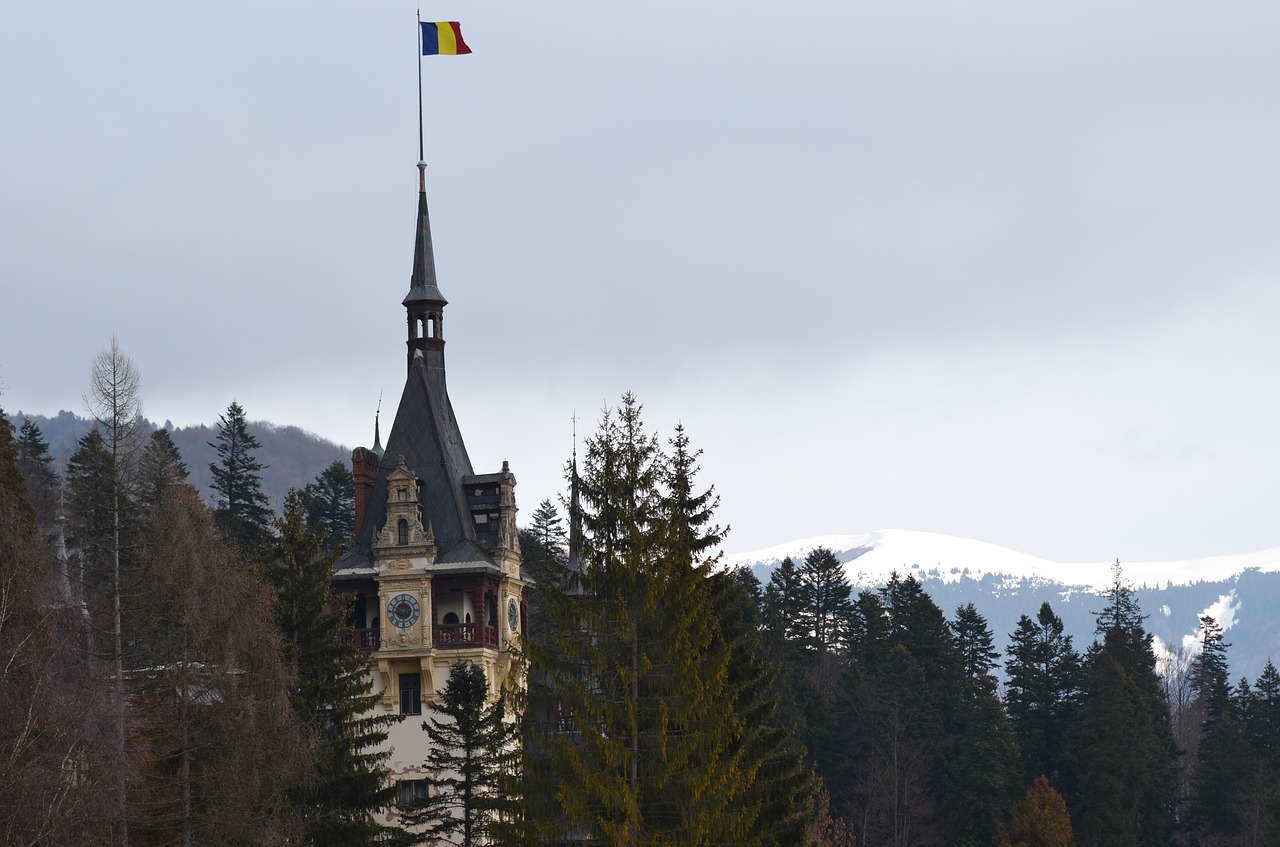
(435,565)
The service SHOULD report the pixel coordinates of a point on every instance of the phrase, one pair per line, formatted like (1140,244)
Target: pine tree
(1042,690)
(330,503)
(331,696)
(242,510)
(472,746)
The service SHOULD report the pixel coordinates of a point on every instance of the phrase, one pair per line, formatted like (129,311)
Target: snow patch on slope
(872,556)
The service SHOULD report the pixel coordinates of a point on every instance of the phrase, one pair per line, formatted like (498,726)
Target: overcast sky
(1002,270)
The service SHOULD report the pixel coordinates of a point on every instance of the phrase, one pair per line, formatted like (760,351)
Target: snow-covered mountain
(1240,591)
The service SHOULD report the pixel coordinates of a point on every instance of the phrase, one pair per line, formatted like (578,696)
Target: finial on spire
(377,436)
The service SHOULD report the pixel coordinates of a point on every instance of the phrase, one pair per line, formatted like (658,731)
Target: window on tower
(410,693)
(402,532)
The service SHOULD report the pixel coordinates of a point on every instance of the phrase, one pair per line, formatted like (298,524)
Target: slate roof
(425,432)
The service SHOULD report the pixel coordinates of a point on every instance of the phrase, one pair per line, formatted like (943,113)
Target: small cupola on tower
(424,304)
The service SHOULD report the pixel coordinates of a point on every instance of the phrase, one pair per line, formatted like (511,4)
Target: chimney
(364,467)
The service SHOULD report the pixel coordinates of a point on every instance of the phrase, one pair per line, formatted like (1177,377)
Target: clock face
(513,615)
(403,610)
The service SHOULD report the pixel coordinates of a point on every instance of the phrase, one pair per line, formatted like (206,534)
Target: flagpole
(422,159)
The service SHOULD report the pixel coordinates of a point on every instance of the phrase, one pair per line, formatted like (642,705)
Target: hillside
(1238,590)
(293,456)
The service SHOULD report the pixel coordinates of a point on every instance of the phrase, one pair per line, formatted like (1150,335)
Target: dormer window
(402,494)
(402,531)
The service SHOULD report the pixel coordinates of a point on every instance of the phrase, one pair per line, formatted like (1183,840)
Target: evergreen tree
(648,748)
(826,601)
(1224,769)
(160,470)
(242,510)
(330,503)
(783,604)
(472,745)
(1122,778)
(1041,692)
(36,466)
(1039,820)
(978,654)
(331,696)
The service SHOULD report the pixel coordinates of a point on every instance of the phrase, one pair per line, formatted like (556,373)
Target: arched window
(450,618)
(402,532)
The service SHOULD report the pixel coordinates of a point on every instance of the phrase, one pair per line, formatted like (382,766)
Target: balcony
(366,639)
(446,636)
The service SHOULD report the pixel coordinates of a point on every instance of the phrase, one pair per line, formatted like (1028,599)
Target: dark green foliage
(36,466)
(1225,768)
(330,504)
(1121,781)
(978,654)
(1041,692)
(241,510)
(472,747)
(919,750)
(826,603)
(330,696)
(89,472)
(784,603)
(651,741)
(160,470)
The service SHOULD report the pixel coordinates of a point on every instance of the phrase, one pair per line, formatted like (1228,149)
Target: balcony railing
(464,635)
(366,639)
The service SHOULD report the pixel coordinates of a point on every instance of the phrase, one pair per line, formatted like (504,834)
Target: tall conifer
(331,694)
(241,510)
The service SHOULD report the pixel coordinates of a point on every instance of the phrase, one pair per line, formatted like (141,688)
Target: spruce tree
(241,510)
(826,601)
(36,465)
(649,747)
(331,694)
(160,470)
(1121,782)
(330,503)
(1041,691)
(1224,768)
(472,746)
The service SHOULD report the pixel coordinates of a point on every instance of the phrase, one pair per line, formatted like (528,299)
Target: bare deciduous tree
(114,403)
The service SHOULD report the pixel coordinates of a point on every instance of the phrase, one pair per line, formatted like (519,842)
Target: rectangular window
(410,693)
(412,791)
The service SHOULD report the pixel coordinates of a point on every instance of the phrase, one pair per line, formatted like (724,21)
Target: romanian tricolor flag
(443,39)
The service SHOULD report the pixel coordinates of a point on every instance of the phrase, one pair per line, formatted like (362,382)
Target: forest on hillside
(175,672)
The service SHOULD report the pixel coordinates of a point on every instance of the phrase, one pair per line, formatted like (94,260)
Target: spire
(422,284)
(424,302)
(377,436)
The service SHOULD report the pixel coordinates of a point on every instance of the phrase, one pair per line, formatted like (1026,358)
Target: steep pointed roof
(422,284)
(426,434)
